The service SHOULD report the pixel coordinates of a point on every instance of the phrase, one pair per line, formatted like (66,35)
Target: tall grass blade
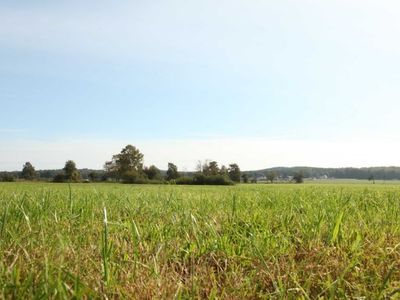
(105,252)
(336,229)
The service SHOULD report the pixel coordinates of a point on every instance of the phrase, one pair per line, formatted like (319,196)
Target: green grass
(248,241)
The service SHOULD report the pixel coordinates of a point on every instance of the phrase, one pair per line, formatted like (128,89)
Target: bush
(200,179)
(131,177)
(184,180)
(298,177)
(218,180)
(60,177)
(8,178)
(155,181)
(139,178)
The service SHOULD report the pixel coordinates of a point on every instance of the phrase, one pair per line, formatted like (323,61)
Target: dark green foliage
(201,179)
(271,176)
(379,173)
(152,173)
(234,172)
(211,168)
(184,180)
(245,178)
(130,159)
(127,164)
(71,172)
(49,174)
(132,177)
(7,178)
(298,177)
(208,173)
(371,178)
(154,181)
(111,170)
(28,171)
(60,177)
(223,171)
(172,172)
(93,176)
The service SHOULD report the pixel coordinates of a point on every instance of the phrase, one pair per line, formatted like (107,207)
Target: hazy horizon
(273,153)
(261,84)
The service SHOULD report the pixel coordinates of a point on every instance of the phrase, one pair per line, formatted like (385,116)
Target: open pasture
(165,241)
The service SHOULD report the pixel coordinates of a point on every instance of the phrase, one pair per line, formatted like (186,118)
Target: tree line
(369,173)
(127,167)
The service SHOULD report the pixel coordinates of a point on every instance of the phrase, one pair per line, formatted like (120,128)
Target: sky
(259,83)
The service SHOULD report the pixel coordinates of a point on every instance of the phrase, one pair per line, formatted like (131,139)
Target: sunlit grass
(249,241)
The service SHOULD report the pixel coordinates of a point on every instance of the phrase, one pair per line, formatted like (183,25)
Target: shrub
(201,179)
(60,177)
(298,177)
(139,178)
(131,177)
(218,180)
(8,178)
(135,177)
(152,173)
(184,180)
(155,181)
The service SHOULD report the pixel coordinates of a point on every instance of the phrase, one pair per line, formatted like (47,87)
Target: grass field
(246,241)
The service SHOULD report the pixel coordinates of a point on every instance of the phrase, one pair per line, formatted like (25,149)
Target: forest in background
(378,173)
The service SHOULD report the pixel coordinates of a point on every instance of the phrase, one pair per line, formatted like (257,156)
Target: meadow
(261,241)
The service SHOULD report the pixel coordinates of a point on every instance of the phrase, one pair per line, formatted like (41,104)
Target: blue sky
(243,81)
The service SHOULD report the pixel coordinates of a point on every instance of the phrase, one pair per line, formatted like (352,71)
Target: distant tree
(201,179)
(245,178)
(60,177)
(254,180)
(199,166)
(48,174)
(69,168)
(371,178)
(172,172)
(28,171)
(111,169)
(93,176)
(7,177)
(223,171)
(132,177)
(71,172)
(271,176)
(234,172)
(152,172)
(210,168)
(298,177)
(128,160)
(213,167)
(203,167)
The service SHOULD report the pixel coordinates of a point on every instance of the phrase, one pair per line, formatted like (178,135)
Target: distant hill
(378,173)
(383,173)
